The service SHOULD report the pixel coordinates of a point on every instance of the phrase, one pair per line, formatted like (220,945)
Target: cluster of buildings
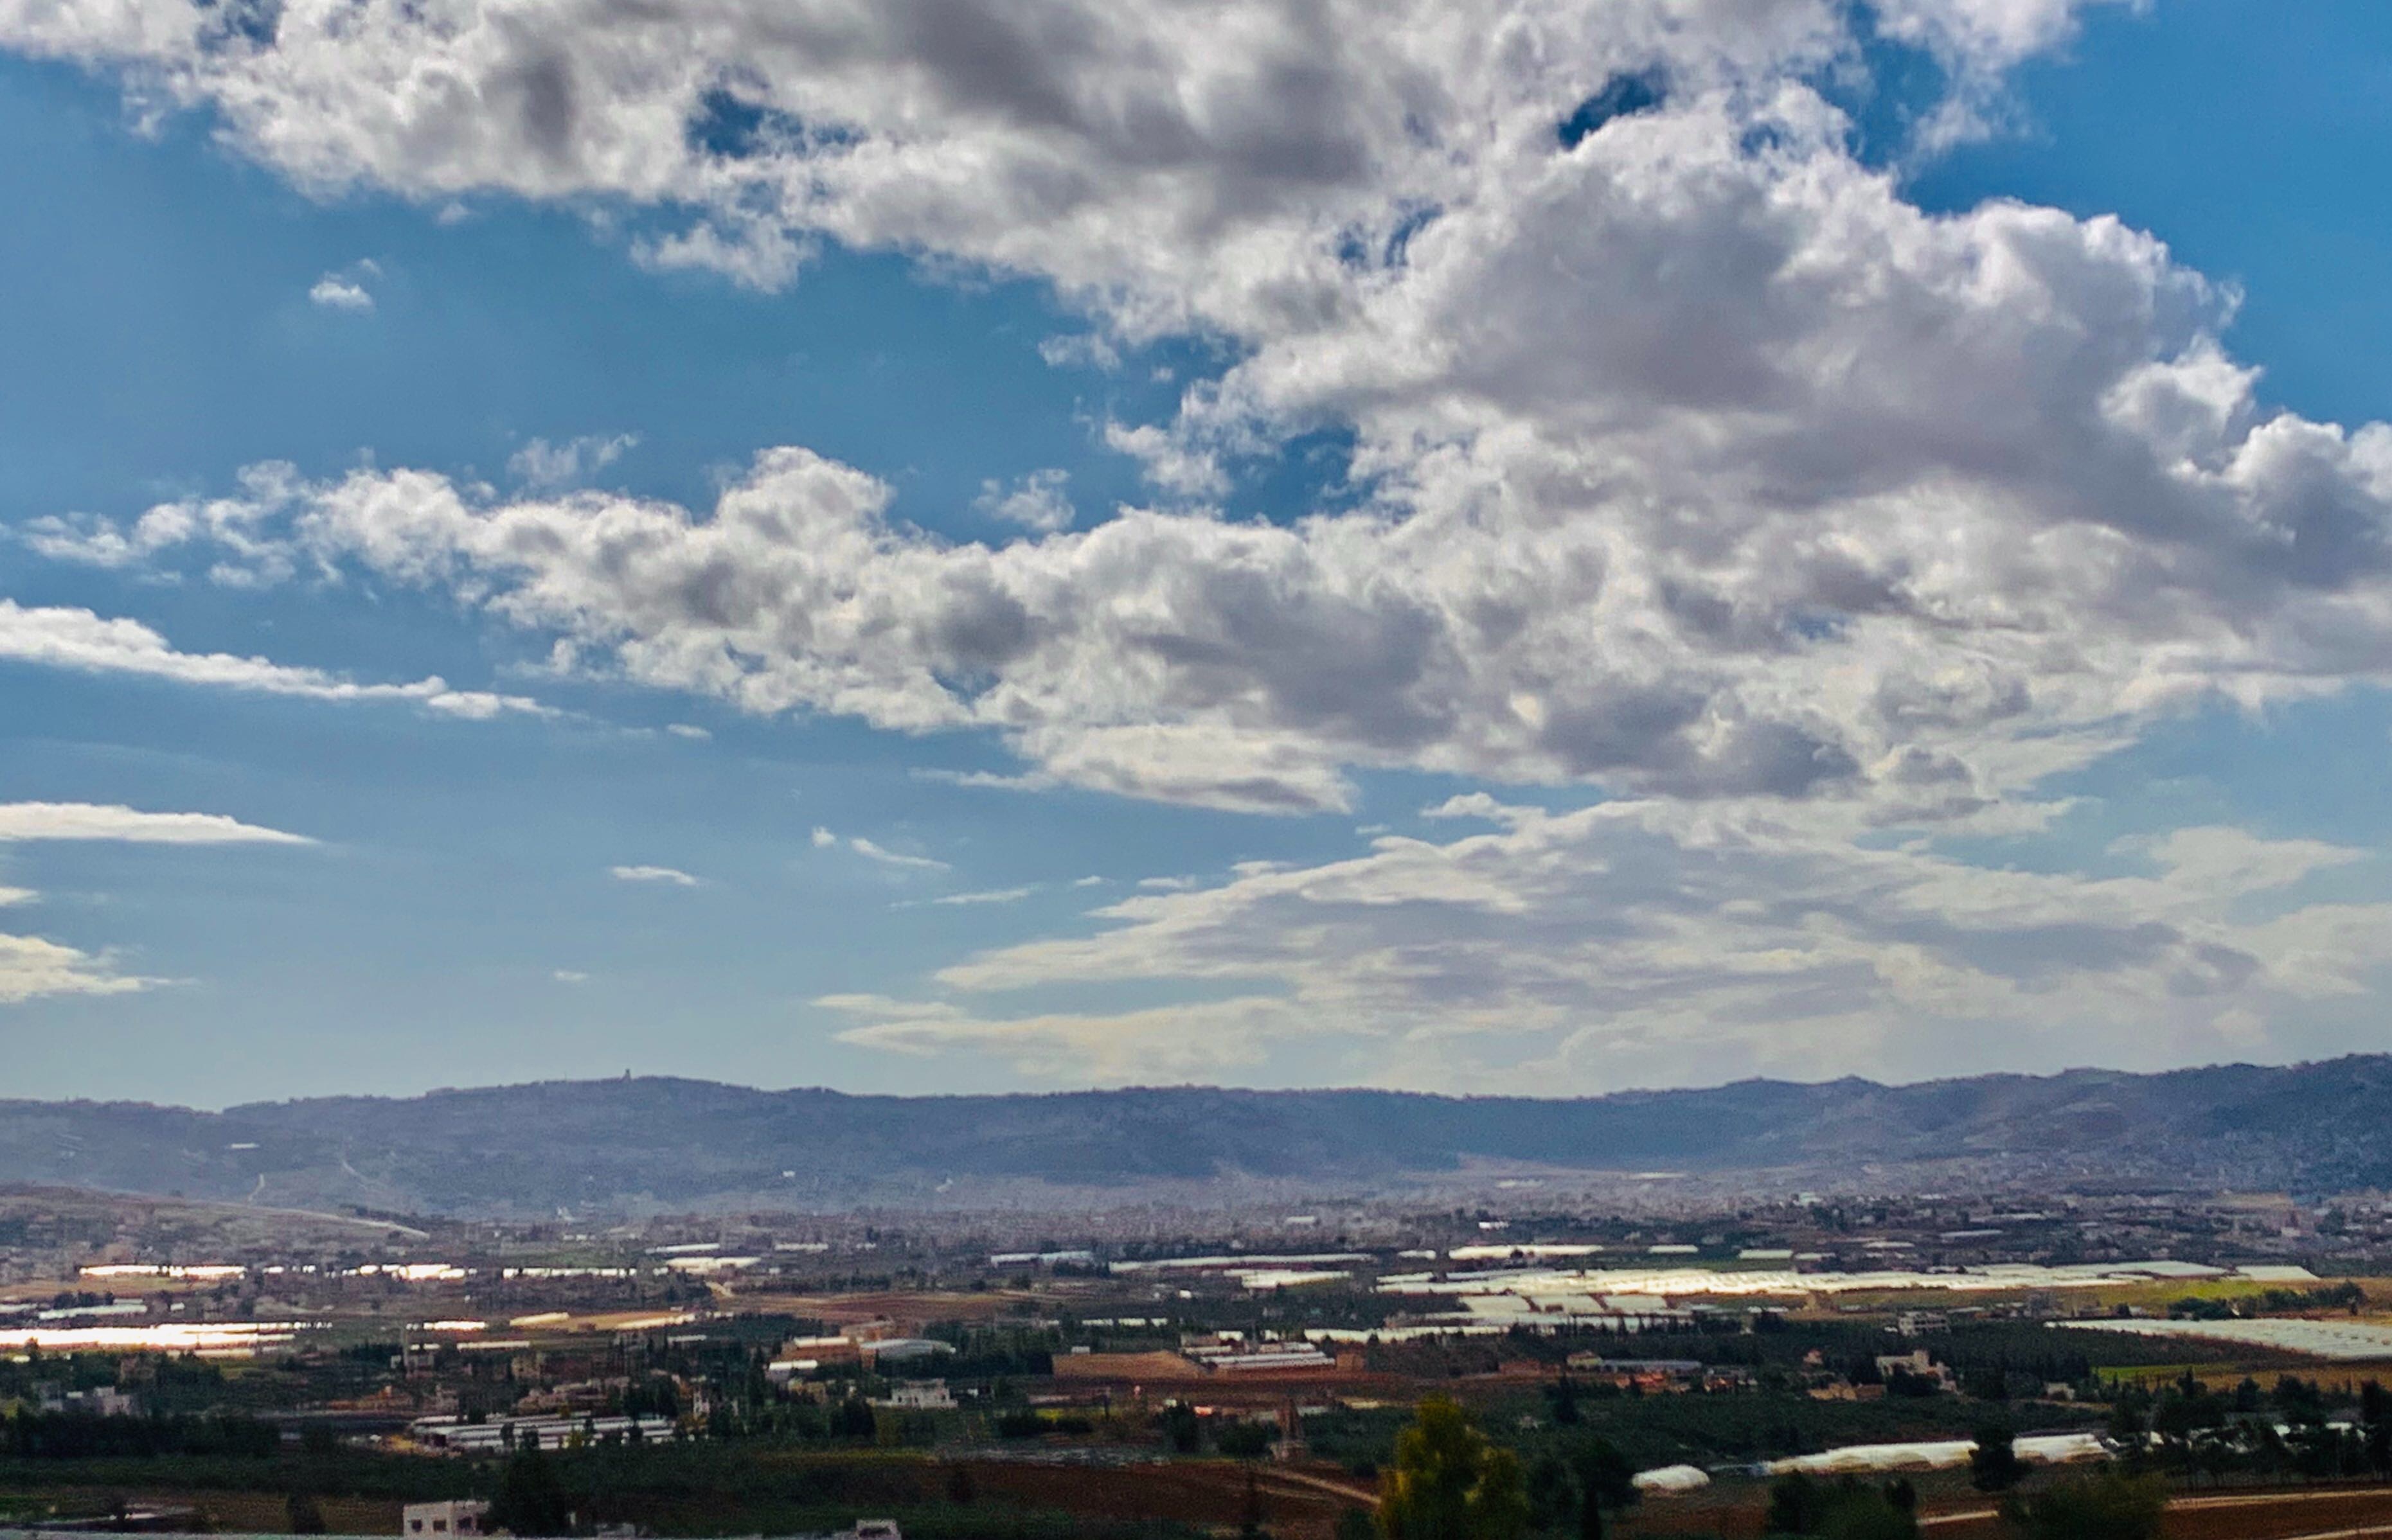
(1232,1353)
(459,1436)
(1658,1376)
(868,1346)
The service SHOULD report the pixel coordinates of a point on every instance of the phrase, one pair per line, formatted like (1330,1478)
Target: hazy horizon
(470,1088)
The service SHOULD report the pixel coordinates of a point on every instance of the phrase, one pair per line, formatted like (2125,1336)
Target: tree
(1180,1429)
(1552,1495)
(1795,1505)
(853,1419)
(2103,1506)
(1847,1510)
(530,1499)
(1355,1523)
(300,1514)
(1856,1512)
(1246,1440)
(1605,1477)
(1448,1483)
(1993,1465)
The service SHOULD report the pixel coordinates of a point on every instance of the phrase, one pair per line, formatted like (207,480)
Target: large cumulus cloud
(1702,463)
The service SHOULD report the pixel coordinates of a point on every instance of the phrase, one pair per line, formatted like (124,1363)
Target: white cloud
(79,640)
(335,292)
(84,820)
(826,840)
(987,779)
(991,896)
(345,289)
(871,851)
(235,526)
(1037,501)
(1084,351)
(1176,165)
(1700,462)
(546,467)
(689,731)
(1171,462)
(1926,636)
(1650,943)
(653,875)
(570,975)
(31,967)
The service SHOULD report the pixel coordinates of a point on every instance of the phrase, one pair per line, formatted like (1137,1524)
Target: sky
(1524,546)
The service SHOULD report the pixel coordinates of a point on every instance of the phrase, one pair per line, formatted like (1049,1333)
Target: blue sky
(658,868)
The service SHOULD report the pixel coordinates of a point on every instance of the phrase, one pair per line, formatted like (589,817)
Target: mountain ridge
(671,1142)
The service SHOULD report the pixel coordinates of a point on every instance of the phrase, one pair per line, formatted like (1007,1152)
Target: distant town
(1672,1360)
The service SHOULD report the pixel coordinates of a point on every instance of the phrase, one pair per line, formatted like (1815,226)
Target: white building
(894,1350)
(463,1516)
(918,1396)
(1915,1365)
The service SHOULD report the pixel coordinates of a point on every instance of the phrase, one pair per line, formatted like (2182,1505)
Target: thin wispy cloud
(991,896)
(85,820)
(33,967)
(823,840)
(547,467)
(78,640)
(668,875)
(887,857)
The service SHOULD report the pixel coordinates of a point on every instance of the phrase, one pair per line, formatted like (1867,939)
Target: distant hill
(674,1143)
